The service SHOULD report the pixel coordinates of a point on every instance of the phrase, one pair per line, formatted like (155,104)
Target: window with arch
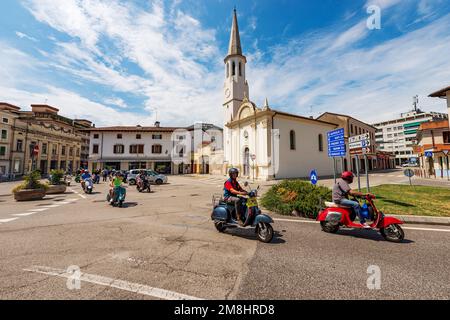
(233,68)
(240,69)
(157,149)
(228,69)
(292,139)
(320,142)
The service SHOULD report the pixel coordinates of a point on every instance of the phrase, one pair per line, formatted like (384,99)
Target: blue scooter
(224,215)
(119,197)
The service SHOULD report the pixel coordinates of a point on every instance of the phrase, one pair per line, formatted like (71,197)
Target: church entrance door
(247,162)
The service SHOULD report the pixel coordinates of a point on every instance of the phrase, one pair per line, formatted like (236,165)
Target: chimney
(157,124)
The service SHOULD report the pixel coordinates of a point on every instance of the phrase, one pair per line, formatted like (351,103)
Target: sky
(118,62)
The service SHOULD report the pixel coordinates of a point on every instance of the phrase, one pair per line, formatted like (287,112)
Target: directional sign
(409,173)
(313,177)
(336,143)
(361,137)
(359,144)
(429,154)
(445,152)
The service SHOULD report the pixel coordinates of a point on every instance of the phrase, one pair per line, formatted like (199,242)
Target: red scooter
(334,216)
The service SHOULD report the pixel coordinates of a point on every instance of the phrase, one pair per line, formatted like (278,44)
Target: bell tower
(235,86)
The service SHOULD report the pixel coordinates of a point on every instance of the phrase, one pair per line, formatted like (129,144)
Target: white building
(398,135)
(169,150)
(263,142)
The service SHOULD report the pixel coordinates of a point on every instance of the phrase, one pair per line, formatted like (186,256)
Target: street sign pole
(357,173)
(334,169)
(366,163)
(448,171)
(342,164)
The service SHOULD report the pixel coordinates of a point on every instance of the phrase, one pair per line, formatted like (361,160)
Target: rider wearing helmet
(341,191)
(232,190)
(116,182)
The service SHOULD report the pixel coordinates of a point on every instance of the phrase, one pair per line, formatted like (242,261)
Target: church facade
(262,142)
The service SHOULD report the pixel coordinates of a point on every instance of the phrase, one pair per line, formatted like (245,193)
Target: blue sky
(128,62)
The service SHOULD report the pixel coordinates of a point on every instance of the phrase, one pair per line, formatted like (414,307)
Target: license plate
(252,203)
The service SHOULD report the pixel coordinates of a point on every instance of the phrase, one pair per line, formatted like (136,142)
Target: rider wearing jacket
(341,192)
(232,189)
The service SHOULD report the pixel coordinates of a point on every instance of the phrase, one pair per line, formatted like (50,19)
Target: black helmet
(233,170)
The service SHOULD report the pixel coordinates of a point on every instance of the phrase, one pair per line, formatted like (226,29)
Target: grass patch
(412,200)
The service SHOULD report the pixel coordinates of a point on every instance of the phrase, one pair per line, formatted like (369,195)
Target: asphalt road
(164,245)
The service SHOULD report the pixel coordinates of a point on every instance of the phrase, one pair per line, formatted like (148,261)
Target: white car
(153,176)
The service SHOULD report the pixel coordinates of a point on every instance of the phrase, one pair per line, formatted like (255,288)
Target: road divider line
(295,220)
(426,229)
(7,220)
(38,210)
(23,214)
(406,228)
(113,283)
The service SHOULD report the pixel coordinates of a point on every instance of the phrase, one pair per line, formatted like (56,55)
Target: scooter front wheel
(220,226)
(264,231)
(393,233)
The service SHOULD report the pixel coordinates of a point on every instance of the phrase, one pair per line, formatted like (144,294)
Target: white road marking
(23,214)
(114,283)
(295,220)
(51,206)
(407,228)
(7,220)
(38,210)
(427,229)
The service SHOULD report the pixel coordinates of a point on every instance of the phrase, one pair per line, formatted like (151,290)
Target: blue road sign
(429,154)
(336,143)
(313,177)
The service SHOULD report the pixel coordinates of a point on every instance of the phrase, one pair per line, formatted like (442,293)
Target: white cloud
(116,102)
(22,35)
(171,48)
(374,83)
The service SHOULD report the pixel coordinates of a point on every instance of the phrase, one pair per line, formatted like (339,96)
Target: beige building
(41,139)
(433,143)
(265,143)
(353,127)
(7,120)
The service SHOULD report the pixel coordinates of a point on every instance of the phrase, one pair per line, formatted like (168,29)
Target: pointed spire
(266,105)
(235,39)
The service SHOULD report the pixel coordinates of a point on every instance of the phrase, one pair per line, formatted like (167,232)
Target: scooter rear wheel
(393,233)
(328,227)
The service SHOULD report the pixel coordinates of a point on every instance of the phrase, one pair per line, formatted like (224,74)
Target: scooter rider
(115,183)
(84,176)
(341,191)
(232,190)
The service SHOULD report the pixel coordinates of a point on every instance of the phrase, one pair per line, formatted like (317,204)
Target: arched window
(320,142)
(240,69)
(228,69)
(292,139)
(157,149)
(233,69)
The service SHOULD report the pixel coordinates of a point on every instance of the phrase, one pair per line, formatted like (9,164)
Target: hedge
(296,196)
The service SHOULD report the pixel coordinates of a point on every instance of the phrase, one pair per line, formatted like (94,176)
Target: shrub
(296,196)
(31,182)
(56,177)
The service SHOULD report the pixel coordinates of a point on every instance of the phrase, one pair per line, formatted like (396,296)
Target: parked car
(153,176)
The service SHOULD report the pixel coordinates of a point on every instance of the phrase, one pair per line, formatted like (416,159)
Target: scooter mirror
(246,184)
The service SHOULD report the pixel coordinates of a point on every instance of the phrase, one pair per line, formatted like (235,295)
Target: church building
(262,142)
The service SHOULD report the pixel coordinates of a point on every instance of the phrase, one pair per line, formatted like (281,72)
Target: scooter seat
(334,205)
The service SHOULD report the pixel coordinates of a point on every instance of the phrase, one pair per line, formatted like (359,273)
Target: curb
(444,221)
